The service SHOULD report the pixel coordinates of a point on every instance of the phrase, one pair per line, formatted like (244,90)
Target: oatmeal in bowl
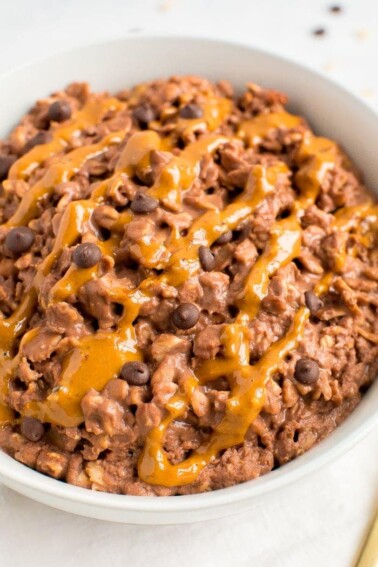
(188,287)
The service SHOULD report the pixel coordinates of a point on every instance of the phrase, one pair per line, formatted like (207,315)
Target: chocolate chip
(319,31)
(32,429)
(306,371)
(335,9)
(313,302)
(40,138)
(225,238)
(191,111)
(185,316)
(6,163)
(86,255)
(59,111)
(144,114)
(143,204)
(135,373)
(19,239)
(206,258)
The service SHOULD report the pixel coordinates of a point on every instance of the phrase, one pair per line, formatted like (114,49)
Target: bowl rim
(13,472)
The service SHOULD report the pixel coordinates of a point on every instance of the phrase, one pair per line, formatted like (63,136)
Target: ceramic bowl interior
(331,111)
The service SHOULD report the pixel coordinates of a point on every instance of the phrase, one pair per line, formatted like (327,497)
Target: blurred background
(322,520)
(338,38)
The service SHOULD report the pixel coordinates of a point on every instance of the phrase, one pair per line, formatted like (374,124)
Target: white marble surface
(323,520)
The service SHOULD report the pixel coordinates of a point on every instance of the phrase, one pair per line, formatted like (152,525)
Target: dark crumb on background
(335,8)
(319,32)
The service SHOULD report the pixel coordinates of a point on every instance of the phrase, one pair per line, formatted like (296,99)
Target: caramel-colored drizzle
(255,130)
(98,357)
(62,135)
(315,157)
(74,216)
(215,111)
(83,367)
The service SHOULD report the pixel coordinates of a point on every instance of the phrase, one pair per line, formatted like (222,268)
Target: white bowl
(331,110)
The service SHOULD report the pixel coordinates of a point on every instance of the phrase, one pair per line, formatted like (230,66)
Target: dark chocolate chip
(306,371)
(32,429)
(19,239)
(6,163)
(191,111)
(313,302)
(335,9)
(59,111)
(319,32)
(86,255)
(40,138)
(144,114)
(185,316)
(135,373)
(206,258)
(143,204)
(225,238)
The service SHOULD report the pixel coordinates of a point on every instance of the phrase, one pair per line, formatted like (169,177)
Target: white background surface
(323,520)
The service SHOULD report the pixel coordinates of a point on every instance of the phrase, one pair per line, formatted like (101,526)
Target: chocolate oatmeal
(188,287)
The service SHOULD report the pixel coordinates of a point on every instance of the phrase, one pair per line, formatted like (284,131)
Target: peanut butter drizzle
(57,173)
(92,113)
(63,405)
(284,246)
(246,401)
(215,111)
(15,325)
(316,157)
(255,130)
(99,357)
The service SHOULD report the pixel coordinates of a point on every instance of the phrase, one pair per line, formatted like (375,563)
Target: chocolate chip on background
(306,371)
(225,238)
(6,163)
(335,9)
(191,111)
(319,32)
(206,258)
(144,114)
(59,111)
(185,316)
(135,373)
(19,239)
(86,255)
(32,429)
(313,302)
(143,204)
(40,138)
